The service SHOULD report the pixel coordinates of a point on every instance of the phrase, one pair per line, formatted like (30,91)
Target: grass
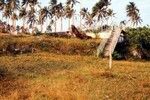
(54,76)
(50,44)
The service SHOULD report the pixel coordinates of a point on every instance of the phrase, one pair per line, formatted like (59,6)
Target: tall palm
(32,5)
(110,14)
(60,13)
(14,6)
(89,20)
(2,5)
(53,9)
(29,2)
(23,15)
(69,13)
(70,9)
(100,10)
(7,12)
(72,2)
(32,19)
(14,17)
(44,14)
(133,14)
(83,12)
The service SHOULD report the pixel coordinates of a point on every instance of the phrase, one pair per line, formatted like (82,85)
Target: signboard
(105,34)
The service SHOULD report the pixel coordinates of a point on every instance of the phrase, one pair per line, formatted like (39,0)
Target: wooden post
(110,58)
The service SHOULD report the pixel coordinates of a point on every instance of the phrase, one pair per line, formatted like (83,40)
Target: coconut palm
(133,14)
(72,2)
(14,6)
(69,13)
(44,14)
(32,19)
(14,17)
(2,5)
(110,14)
(60,13)
(53,8)
(29,2)
(138,20)
(100,10)
(23,15)
(69,10)
(89,20)
(7,12)
(83,12)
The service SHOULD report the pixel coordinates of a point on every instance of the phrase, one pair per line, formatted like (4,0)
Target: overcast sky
(118,6)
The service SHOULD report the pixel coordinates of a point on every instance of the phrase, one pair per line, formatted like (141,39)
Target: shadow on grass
(42,68)
(8,82)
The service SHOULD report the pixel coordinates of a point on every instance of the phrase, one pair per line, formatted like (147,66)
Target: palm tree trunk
(69,21)
(80,20)
(41,28)
(61,24)
(7,19)
(80,16)
(55,24)
(73,19)
(32,29)
(24,20)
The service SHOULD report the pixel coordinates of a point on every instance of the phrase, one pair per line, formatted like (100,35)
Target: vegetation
(51,44)
(51,76)
(35,14)
(66,68)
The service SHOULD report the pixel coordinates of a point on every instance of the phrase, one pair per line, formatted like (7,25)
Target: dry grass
(77,75)
(50,44)
(46,76)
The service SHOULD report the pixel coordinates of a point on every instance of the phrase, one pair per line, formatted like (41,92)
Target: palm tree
(60,13)
(44,14)
(110,14)
(89,20)
(14,17)
(83,12)
(72,2)
(69,10)
(53,9)
(14,6)
(23,15)
(29,2)
(133,14)
(69,13)
(7,12)
(2,5)
(31,14)
(32,19)
(100,10)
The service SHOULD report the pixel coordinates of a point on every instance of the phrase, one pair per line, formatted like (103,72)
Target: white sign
(105,35)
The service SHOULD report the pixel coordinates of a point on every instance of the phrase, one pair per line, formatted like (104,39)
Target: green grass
(49,75)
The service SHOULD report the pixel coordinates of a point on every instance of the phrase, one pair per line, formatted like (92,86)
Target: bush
(136,44)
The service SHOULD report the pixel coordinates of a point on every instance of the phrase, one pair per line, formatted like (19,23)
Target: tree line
(31,13)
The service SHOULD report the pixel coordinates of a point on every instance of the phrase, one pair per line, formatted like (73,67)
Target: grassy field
(47,75)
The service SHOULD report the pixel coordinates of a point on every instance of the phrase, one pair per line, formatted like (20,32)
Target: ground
(50,76)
